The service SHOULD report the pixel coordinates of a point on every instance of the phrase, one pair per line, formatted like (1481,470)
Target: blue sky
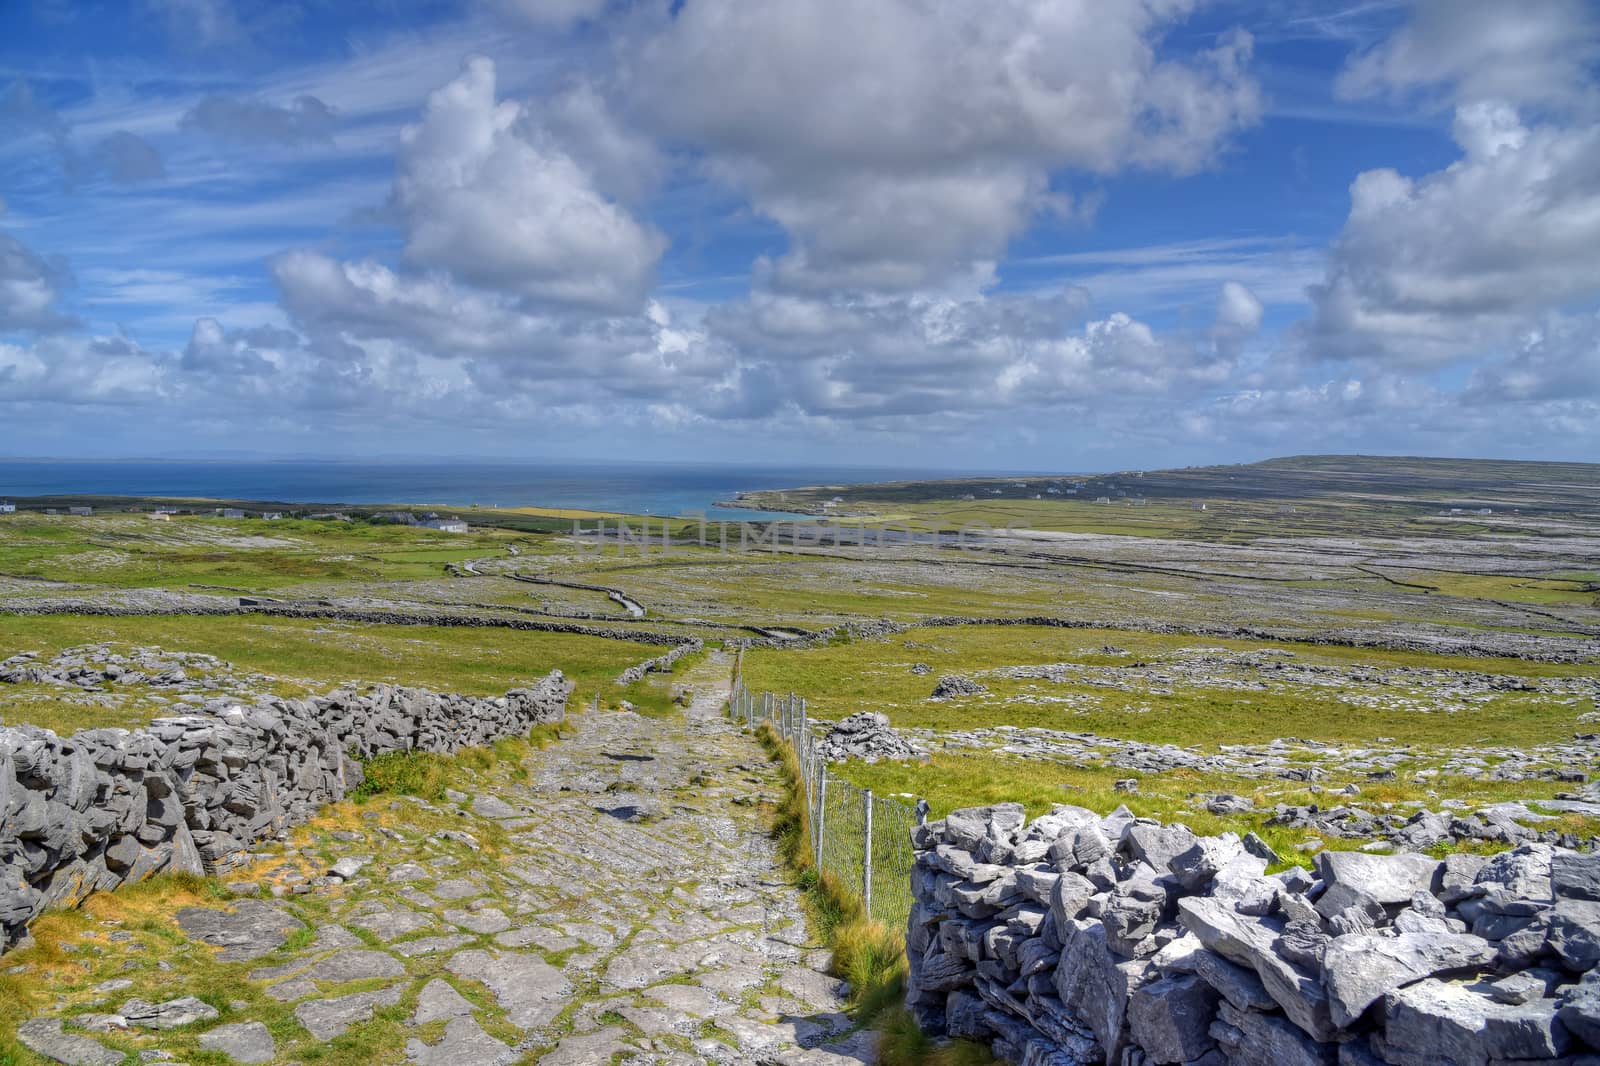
(1061,233)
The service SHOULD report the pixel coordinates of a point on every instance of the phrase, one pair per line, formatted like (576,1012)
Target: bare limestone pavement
(616,899)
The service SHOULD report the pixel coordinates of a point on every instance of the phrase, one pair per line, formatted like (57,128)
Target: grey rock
(1458,878)
(247,930)
(1434,1021)
(44,1036)
(1248,1038)
(866,735)
(1095,985)
(1360,969)
(1236,984)
(1196,867)
(1157,845)
(956,685)
(173,1014)
(1574,933)
(241,1042)
(464,1043)
(350,866)
(1575,876)
(439,1002)
(1522,874)
(325,1019)
(355,966)
(1580,1013)
(488,805)
(1385,878)
(1170,1019)
(529,990)
(392,924)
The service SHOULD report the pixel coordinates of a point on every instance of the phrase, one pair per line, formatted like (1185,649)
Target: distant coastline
(657,489)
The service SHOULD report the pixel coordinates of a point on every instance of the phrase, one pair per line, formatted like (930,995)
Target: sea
(662,488)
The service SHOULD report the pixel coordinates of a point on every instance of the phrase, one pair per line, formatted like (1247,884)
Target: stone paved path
(635,913)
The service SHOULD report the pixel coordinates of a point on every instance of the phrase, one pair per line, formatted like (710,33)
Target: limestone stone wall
(1081,939)
(107,806)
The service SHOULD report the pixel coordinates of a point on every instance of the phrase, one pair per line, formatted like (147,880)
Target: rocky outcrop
(108,806)
(956,685)
(1080,939)
(867,736)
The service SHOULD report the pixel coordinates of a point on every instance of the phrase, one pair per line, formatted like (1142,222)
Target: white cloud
(30,289)
(1556,359)
(491,197)
(1432,269)
(1529,52)
(901,142)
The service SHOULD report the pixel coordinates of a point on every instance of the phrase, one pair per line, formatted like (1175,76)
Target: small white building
(1102,499)
(7,507)
(230,512)
(160,516)
(447,525)
(81,512)
(272,516)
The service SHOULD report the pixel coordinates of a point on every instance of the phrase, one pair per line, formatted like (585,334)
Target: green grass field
(311,656)
(876,675)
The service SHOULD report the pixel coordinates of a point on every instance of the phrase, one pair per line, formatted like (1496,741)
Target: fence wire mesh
(862,840)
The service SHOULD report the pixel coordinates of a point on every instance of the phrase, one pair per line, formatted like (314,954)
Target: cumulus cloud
(1557,359)
(858,358)
(1534,52)
(488,195)
(1238,317)
(252,121)
(30,289)
(1430,269)
(901,142)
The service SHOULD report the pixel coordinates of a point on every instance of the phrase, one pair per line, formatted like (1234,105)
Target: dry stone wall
(1080,939)
(191,793)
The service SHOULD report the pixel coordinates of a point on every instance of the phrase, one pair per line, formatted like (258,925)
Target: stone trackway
(637,915)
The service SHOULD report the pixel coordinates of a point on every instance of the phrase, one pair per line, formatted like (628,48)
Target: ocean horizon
(653,488)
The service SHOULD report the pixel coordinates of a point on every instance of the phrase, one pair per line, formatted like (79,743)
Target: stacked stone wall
(105,807)
(1080,939)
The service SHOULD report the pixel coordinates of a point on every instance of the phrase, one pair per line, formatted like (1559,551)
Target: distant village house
(7,507)
(230,512)
(447,525)
(81,512)
(160,516)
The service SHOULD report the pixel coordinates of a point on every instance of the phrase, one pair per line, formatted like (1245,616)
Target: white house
(446,525)
(1102,499)
(231,512)
(160,516)
(81,512)
(7,507)
(272,516)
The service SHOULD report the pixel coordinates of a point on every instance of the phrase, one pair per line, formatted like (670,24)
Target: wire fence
(862,839)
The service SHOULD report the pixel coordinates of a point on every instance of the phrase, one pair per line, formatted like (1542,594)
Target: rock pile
(1423,829)
(867,736)
(1079,939)
(956,685)
(108,806)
